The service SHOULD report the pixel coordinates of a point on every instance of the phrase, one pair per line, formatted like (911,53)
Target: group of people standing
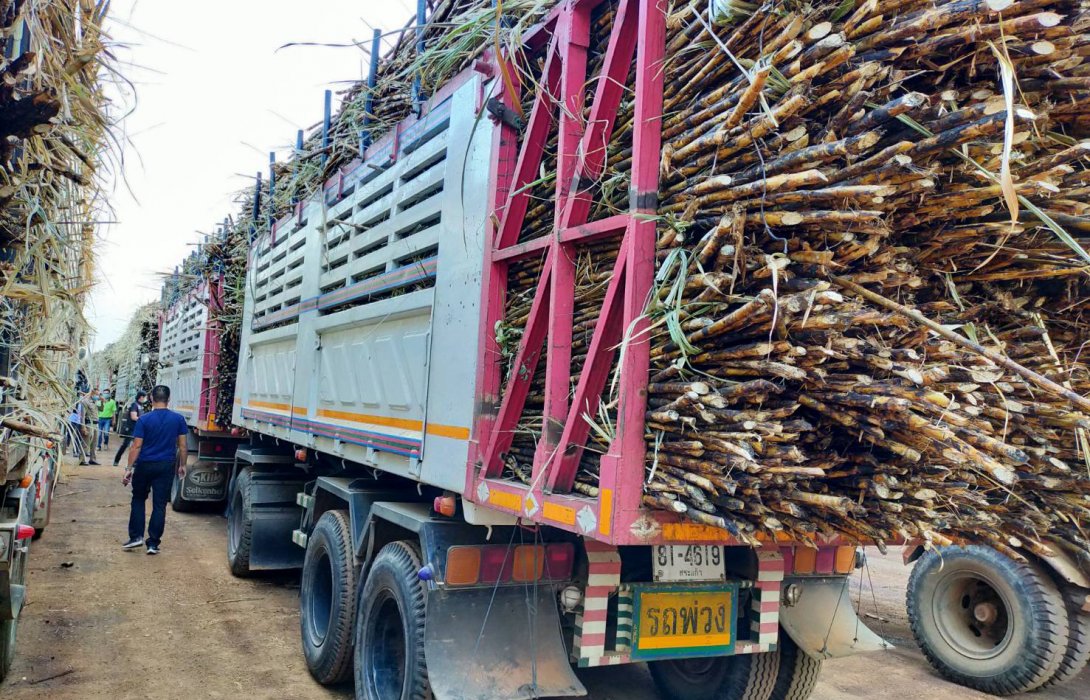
(93,417)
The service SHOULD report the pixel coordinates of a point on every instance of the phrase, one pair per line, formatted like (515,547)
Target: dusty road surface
(104,623)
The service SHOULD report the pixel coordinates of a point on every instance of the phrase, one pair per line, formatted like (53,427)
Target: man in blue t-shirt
(158,451)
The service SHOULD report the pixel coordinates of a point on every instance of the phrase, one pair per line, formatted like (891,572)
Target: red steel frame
(209,392)
(616,516)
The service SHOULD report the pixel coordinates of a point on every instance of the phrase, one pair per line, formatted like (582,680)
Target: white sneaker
(133,543)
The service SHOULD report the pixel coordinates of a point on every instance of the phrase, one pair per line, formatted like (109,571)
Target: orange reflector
(845,560)
(805,560)
(529,562)
(463,566)
(27,481)
(445,505)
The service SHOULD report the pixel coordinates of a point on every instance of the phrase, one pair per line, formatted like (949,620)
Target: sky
(213,95)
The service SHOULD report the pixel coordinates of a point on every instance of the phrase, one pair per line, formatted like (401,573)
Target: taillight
(805,560)
(491,564)
(496,564)
(23,532)
(845,560)
(463,566)
(529,563)
(824,561)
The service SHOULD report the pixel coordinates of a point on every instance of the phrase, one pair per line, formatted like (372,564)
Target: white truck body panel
(344,306)
(181,358)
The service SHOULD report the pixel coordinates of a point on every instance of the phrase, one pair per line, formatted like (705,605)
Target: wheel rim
(385,649)
(972,614)
(234,523)
(320,607)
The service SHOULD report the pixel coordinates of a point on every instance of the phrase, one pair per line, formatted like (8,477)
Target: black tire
(177,503)
(740,677)
(985,621)
(389,635)
(8,629)
(1077,653)
(240,527)
(798,672)
(327,599)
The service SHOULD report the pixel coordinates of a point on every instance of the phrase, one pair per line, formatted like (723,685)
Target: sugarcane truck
(190,337)
(370,391)
(29,468)
(374,417)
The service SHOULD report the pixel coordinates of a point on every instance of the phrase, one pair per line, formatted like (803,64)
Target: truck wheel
(390,662)
(741,677)
(240,527)
(798,672)
(7,646)
(986,621)
(327,599)
(1078,638)
(177,503)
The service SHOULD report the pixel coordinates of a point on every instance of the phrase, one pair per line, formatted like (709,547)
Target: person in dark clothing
(128,423)
(158,452)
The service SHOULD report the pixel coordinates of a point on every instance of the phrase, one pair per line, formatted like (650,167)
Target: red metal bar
(588,233)
(584,233)
(521,251)
(518,385)
(572,51)
(592,380)
(533,147)
(627,479)
(494,285)
(607,98)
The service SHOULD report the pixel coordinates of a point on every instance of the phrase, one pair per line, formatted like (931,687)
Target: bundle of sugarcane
(820,162)
(53,128)
(867,147)
(453,35)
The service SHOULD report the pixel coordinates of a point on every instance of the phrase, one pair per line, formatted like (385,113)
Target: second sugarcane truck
(375,415)
(189,363)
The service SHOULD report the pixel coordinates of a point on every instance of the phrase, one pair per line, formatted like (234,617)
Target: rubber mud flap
(502,663)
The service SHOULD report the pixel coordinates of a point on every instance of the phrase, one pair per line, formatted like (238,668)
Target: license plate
(679,622)
(674,563)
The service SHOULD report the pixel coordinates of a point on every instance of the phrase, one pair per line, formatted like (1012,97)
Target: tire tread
(1077,654)
(239,563)
(798,672)
(404,561)
(336,666)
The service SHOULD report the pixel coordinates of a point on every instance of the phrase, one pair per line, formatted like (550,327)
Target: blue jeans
(104,431)
(156,478)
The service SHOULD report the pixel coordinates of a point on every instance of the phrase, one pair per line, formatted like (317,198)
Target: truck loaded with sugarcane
(50,147)
(606,331)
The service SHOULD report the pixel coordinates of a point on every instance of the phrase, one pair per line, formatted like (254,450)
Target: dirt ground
(105,623)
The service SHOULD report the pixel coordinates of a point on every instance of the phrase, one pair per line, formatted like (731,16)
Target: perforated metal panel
(350,297)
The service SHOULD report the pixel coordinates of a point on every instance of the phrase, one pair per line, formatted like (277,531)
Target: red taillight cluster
(473,565)
(804,561)
(23,532)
